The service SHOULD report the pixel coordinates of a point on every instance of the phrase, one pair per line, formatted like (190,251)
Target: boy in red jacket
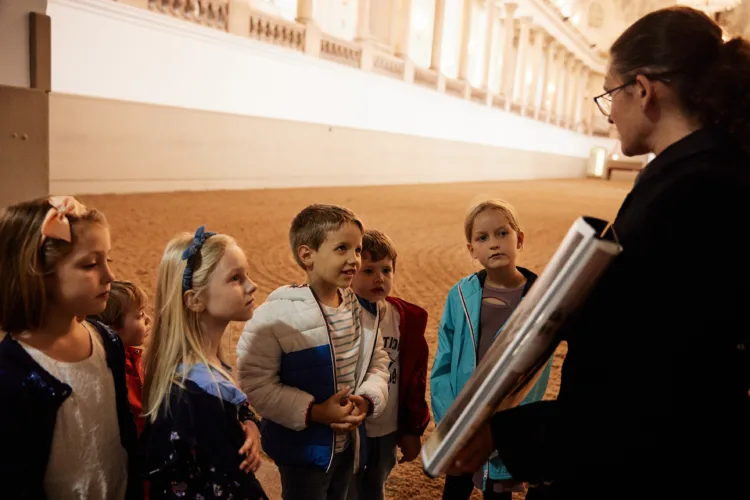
(402,328)
(125,314)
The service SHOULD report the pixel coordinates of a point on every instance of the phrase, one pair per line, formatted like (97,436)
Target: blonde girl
(201,439)
(475,311)
(65,426)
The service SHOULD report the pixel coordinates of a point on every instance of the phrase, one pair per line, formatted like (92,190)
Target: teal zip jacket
(456,357)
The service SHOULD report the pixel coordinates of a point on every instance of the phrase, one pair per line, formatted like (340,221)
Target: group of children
(336,368)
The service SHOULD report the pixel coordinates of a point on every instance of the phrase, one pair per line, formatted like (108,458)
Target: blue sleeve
(540,387)
(442,391)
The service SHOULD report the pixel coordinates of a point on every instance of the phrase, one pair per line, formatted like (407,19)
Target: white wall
(14,40)
(105,49)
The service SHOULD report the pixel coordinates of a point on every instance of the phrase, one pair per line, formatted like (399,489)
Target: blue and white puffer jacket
(285,362)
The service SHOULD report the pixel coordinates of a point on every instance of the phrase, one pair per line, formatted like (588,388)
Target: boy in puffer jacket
(308,365)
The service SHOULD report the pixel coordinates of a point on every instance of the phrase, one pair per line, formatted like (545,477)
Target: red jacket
(134,380)
(413,412)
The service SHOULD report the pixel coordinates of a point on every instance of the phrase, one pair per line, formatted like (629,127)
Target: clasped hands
(342,412)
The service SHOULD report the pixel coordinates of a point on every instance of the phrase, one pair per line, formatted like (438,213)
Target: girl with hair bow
(65,425)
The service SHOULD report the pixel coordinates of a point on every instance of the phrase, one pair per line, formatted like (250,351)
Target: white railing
(241,19)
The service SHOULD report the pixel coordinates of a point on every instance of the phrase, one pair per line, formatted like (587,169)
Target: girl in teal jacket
(474,314)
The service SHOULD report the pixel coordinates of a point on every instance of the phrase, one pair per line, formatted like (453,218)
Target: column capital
(550,43)
(525,20)
(510,8)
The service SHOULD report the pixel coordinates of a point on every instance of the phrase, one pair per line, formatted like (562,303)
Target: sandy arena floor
(425,222)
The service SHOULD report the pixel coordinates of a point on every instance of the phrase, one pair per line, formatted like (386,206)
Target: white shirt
(387,422)
(87,460)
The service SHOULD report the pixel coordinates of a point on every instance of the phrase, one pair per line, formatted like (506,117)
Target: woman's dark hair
(684,48)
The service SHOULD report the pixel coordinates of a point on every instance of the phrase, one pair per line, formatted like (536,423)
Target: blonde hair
(176,336)
(500,205)
(124,296)
(25,261)
(311,226)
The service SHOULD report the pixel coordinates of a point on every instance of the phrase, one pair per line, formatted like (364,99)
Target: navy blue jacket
(191,450)
(30,398)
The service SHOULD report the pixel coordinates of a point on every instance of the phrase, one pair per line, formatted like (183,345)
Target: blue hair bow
(201,235)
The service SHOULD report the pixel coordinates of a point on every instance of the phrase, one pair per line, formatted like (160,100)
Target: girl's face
(229,294)
(494,242)
(79,284)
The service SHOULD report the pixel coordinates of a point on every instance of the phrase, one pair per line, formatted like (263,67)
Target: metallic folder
(513,363)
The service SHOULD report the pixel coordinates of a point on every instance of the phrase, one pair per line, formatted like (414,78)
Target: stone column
(437,35)
(522,62)
(569,90)
(554,77)
(575,79)
(582,94)
(363,20)
(509,63)
(403,29)
(489,31)
(304,11)
(497,56)
(550,45)
(463,57)
(560,87)
(595,86)
(312,30)
(531,101)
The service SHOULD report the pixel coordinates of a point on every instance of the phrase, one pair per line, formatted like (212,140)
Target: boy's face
(494,243)
(336,261)
(136,326)
(374,280)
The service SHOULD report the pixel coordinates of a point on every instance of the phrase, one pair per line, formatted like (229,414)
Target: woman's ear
(520,240)
(645,90)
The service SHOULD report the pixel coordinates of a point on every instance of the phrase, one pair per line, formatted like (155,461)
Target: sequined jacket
(191,450)
(29,400)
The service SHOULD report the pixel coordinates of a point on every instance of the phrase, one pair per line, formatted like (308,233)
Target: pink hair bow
(56,224)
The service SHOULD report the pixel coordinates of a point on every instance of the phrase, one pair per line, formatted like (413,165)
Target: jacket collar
(371,307)
(701,140)
(529,275)
(213,382)
(301,293)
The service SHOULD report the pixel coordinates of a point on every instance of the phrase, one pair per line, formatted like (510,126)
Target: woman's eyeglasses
(604,101)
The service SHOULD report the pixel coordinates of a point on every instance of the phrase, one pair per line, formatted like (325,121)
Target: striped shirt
(345,339)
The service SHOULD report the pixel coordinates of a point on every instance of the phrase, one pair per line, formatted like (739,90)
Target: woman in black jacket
(654,395)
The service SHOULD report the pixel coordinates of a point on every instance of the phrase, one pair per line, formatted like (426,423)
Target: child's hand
(358,415)
(333,409)
(410,446)
(251,448)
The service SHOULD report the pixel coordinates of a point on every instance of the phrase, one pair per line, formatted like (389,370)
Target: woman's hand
(251,448)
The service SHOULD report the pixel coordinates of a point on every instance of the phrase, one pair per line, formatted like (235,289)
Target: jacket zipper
(372,353)
(333,364)
(471,327)
(475,343)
